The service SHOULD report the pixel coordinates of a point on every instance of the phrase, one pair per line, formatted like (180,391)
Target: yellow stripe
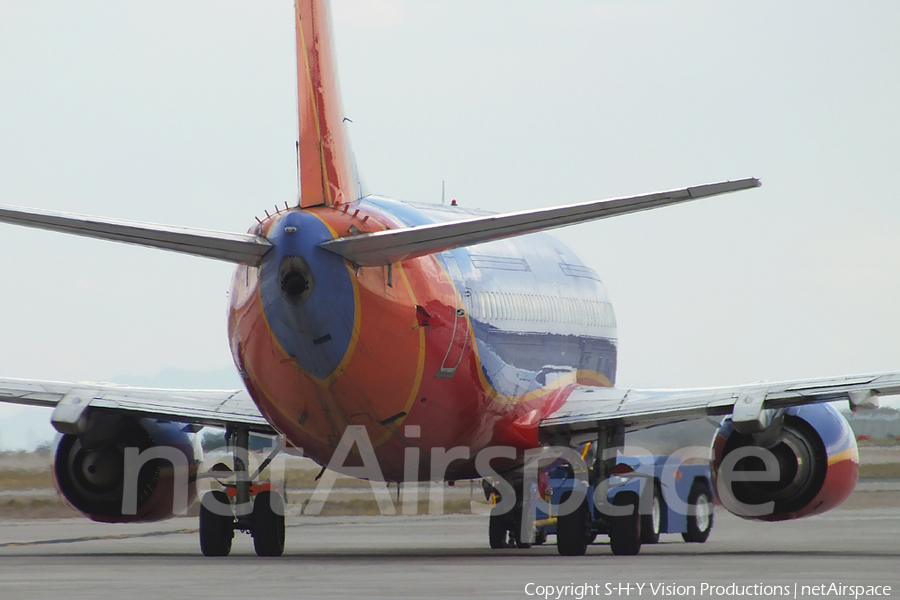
(492,393)
(357,317)
(354,333)
(848,454)
(420,365)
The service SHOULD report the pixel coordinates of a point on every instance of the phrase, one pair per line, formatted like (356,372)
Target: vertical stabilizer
(325,170)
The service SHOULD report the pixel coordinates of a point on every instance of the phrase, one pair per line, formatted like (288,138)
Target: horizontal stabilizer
(384,247)
(244,248)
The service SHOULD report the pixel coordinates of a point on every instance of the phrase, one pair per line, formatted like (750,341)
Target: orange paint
(389,376)
(325,173)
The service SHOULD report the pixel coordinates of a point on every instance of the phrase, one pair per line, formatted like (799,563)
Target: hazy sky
(184,113)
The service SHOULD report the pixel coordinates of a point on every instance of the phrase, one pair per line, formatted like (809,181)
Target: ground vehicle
(666,496)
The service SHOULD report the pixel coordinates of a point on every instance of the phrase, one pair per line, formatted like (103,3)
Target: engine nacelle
(811,448)
(90,470)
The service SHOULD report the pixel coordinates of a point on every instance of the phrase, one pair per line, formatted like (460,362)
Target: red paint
(325,173)
(840,481)
(391,370)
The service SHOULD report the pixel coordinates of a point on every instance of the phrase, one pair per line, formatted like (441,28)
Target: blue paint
(329,310)
(831,426)
(541,277)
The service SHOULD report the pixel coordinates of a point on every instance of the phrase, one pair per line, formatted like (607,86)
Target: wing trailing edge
(242,248)
(385,247)
(216,408)
(588,407)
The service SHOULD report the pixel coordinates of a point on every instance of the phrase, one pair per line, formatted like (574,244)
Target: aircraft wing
(588,407)
(217,408)
(385,247)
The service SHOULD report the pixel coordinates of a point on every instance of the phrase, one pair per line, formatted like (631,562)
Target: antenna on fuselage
(442,191)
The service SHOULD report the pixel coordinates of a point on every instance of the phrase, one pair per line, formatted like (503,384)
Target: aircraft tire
(700,521)
(216,530)
(625,530)
(651,524)
(571,530)
(497,531)
(267,524)
(517,527)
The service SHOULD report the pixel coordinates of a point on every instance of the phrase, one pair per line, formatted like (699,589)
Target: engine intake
(809,453)
(90,470)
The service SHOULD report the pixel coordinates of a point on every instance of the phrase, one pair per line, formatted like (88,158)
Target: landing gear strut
(256,510)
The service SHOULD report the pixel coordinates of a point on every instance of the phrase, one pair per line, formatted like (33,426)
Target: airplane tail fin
(326,173)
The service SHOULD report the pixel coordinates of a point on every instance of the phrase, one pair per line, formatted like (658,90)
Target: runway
(433,557)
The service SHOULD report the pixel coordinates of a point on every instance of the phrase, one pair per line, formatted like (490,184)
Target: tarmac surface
(442,557)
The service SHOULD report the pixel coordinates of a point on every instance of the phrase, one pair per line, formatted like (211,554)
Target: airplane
(420,328)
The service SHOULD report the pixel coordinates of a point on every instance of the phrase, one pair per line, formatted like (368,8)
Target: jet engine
(804,463)
(146,467)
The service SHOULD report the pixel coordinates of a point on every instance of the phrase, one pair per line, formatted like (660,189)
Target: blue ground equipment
(644,497)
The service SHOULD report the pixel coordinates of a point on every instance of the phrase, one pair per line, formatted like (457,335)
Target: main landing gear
(505,529)
(243,506)
(626,527)
(622,520)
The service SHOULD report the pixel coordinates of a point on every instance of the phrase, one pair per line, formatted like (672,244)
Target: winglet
(326,176)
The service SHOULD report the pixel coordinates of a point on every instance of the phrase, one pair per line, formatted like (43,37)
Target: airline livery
(376,335)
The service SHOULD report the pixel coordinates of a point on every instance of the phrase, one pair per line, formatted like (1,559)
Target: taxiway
(429,557)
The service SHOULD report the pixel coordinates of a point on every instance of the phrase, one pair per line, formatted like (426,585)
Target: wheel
(700,514)
(216,530)
(572,529)
(516,532)
(625,530)
(540,537)
(497,532)
(267,524)
(651,524)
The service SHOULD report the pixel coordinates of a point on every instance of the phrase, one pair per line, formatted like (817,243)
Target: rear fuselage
(473,346)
